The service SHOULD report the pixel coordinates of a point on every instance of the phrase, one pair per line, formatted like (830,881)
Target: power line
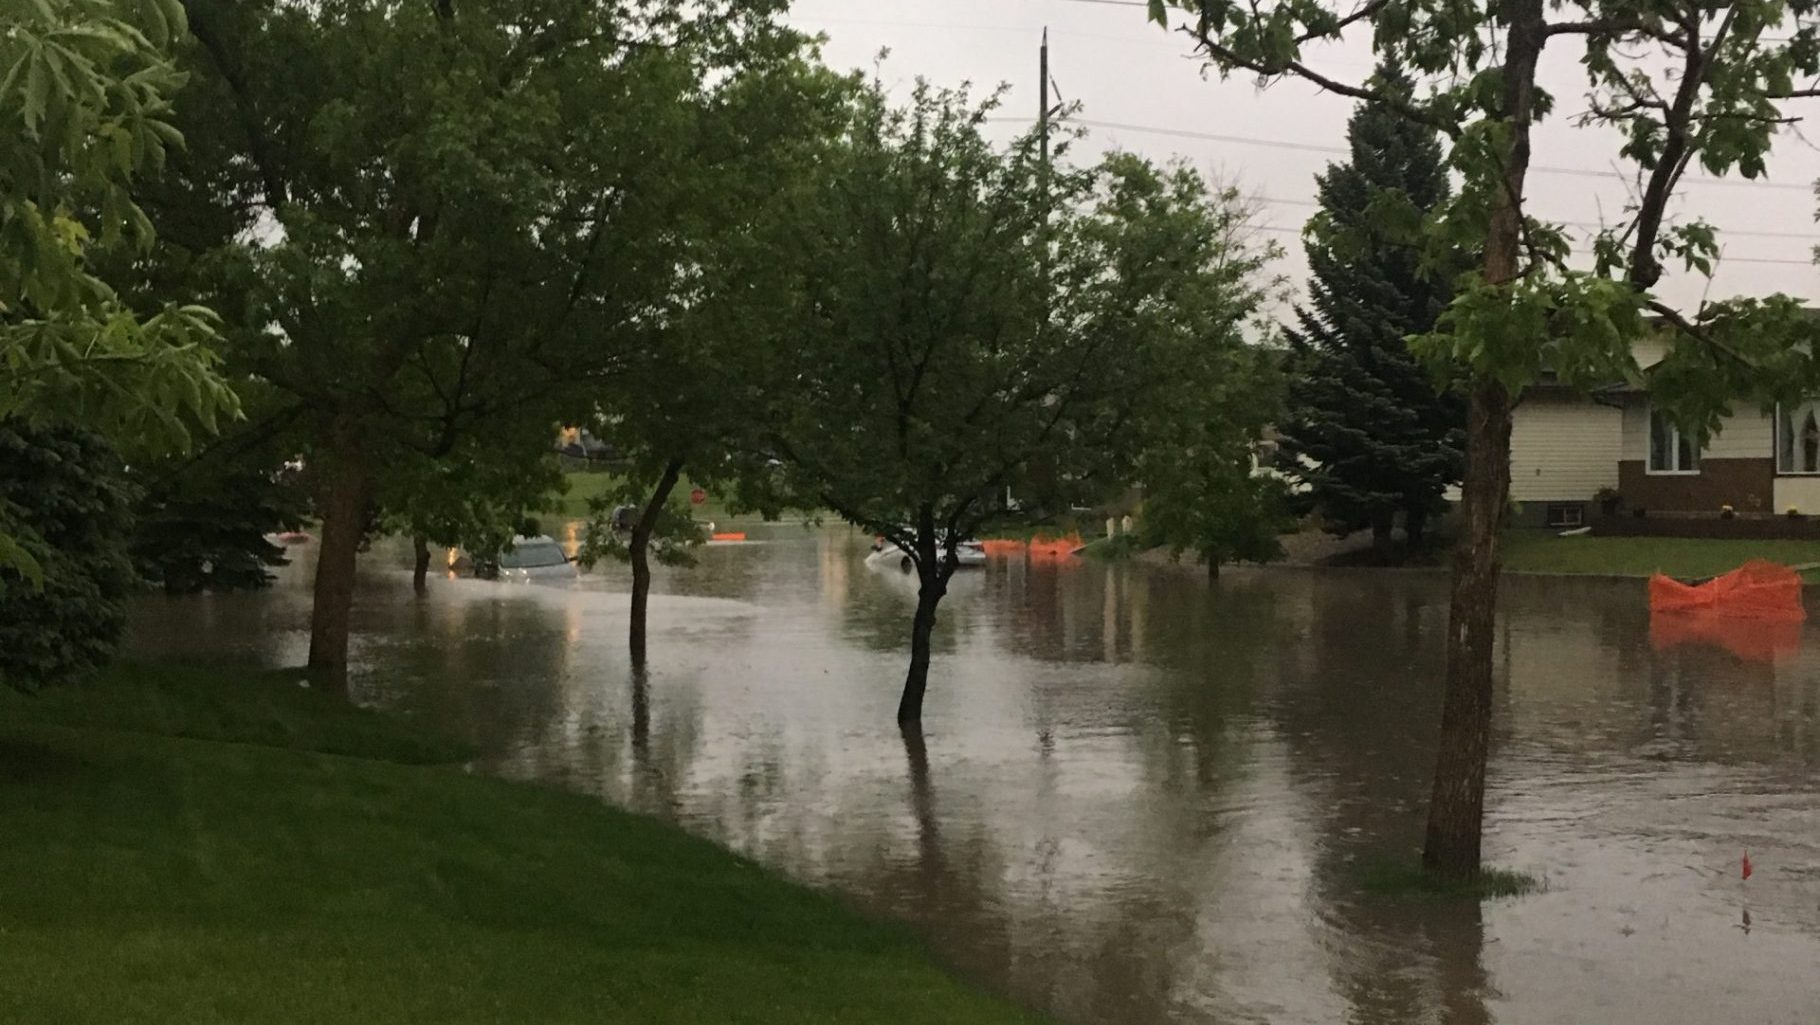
(1764,259)
(1589,225)
(1342,151)
(1723,259)
(1252,140)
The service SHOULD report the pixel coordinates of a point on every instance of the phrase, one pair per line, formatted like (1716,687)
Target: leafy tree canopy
(1688,85)
(437,223)
(974,320)
(85,93)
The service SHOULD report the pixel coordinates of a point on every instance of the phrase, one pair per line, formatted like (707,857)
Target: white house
(1566,447)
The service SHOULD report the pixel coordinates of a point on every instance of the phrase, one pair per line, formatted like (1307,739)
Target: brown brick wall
(1747,485)
(1754,528)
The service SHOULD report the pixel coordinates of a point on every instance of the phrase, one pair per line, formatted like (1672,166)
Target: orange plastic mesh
(1755,590)
(1055,548)
(1002,546)
(1750,639)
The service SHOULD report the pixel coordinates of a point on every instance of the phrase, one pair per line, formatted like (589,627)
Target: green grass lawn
(182,847)
(1538,552)
(586,484)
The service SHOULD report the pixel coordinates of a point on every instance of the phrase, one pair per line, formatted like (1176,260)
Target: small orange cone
(1747,864)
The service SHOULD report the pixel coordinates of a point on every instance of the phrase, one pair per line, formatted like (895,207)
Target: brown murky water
(1143,800)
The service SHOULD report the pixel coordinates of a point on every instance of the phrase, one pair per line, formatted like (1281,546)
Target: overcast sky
(1126,71)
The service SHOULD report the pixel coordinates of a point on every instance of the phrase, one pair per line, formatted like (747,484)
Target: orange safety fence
(1756,590)
(1040,547)
(1055,547)
(728,535)
(1751,640)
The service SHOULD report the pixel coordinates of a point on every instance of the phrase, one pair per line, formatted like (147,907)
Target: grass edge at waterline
(179,854)
(1404,877)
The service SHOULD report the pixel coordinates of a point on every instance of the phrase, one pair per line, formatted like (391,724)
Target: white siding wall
(1636,429)
(1649,351)
(1802,493)
(1563,449)
(1747,434)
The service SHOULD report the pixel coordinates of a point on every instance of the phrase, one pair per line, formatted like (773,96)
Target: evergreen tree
(1367,429)
(63,491)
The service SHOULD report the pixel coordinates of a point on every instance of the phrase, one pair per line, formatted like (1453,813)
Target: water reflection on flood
(1141,800)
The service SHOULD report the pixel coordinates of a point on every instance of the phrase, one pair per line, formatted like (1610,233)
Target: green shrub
(63,494)
(205,529)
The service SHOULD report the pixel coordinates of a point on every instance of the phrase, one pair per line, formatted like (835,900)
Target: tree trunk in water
(639,547)
(343,516)
(1415,527)
(1456,810)
(641,719)
(928,596)
(1381,538)
(420,569)
(934,565)
(1213,568)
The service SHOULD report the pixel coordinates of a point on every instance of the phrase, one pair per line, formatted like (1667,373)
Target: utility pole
(1042,137)
(1042,115)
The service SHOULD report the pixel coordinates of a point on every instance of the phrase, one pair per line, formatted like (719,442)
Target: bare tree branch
(1698,332)
(1226,56)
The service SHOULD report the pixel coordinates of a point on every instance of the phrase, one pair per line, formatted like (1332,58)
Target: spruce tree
(1367,428)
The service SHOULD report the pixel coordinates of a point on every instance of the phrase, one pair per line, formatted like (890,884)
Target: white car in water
(527,558)
(885,553)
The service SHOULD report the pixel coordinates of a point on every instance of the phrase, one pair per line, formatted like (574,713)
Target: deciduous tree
(85,92)
(456,217)
(1205,490)
(690,405)
(974,321)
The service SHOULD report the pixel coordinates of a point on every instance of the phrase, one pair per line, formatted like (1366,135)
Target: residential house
(1566,447)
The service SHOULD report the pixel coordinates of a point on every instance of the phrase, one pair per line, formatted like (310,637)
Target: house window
(1670,451)
(1798,438)
(1566,514)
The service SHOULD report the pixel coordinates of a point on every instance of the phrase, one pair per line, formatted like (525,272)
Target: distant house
(580,449)
(1566,447)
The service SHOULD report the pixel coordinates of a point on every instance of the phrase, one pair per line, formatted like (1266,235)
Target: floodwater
(1143,799)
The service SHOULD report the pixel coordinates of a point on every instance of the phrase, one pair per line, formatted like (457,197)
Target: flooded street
(1145,800)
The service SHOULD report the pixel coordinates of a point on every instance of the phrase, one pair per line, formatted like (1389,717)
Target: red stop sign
(697,497)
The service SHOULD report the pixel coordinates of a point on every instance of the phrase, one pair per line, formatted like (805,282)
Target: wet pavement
(1142,799)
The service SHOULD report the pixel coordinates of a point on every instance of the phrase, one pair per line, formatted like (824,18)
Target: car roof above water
(532,553)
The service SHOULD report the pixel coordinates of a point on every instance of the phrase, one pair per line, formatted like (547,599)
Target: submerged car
(884,552)
(527,558)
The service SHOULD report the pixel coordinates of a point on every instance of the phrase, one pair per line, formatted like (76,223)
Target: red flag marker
(1747,864)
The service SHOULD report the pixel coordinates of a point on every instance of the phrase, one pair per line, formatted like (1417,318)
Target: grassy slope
(248,877)
(1528,552)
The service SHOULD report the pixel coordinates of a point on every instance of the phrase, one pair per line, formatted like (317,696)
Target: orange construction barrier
(1040,547)
(1756,590)
(1055,548)
(728,535)
(1750,640)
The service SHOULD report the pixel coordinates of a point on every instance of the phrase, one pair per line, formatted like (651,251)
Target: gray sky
(1124,70)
